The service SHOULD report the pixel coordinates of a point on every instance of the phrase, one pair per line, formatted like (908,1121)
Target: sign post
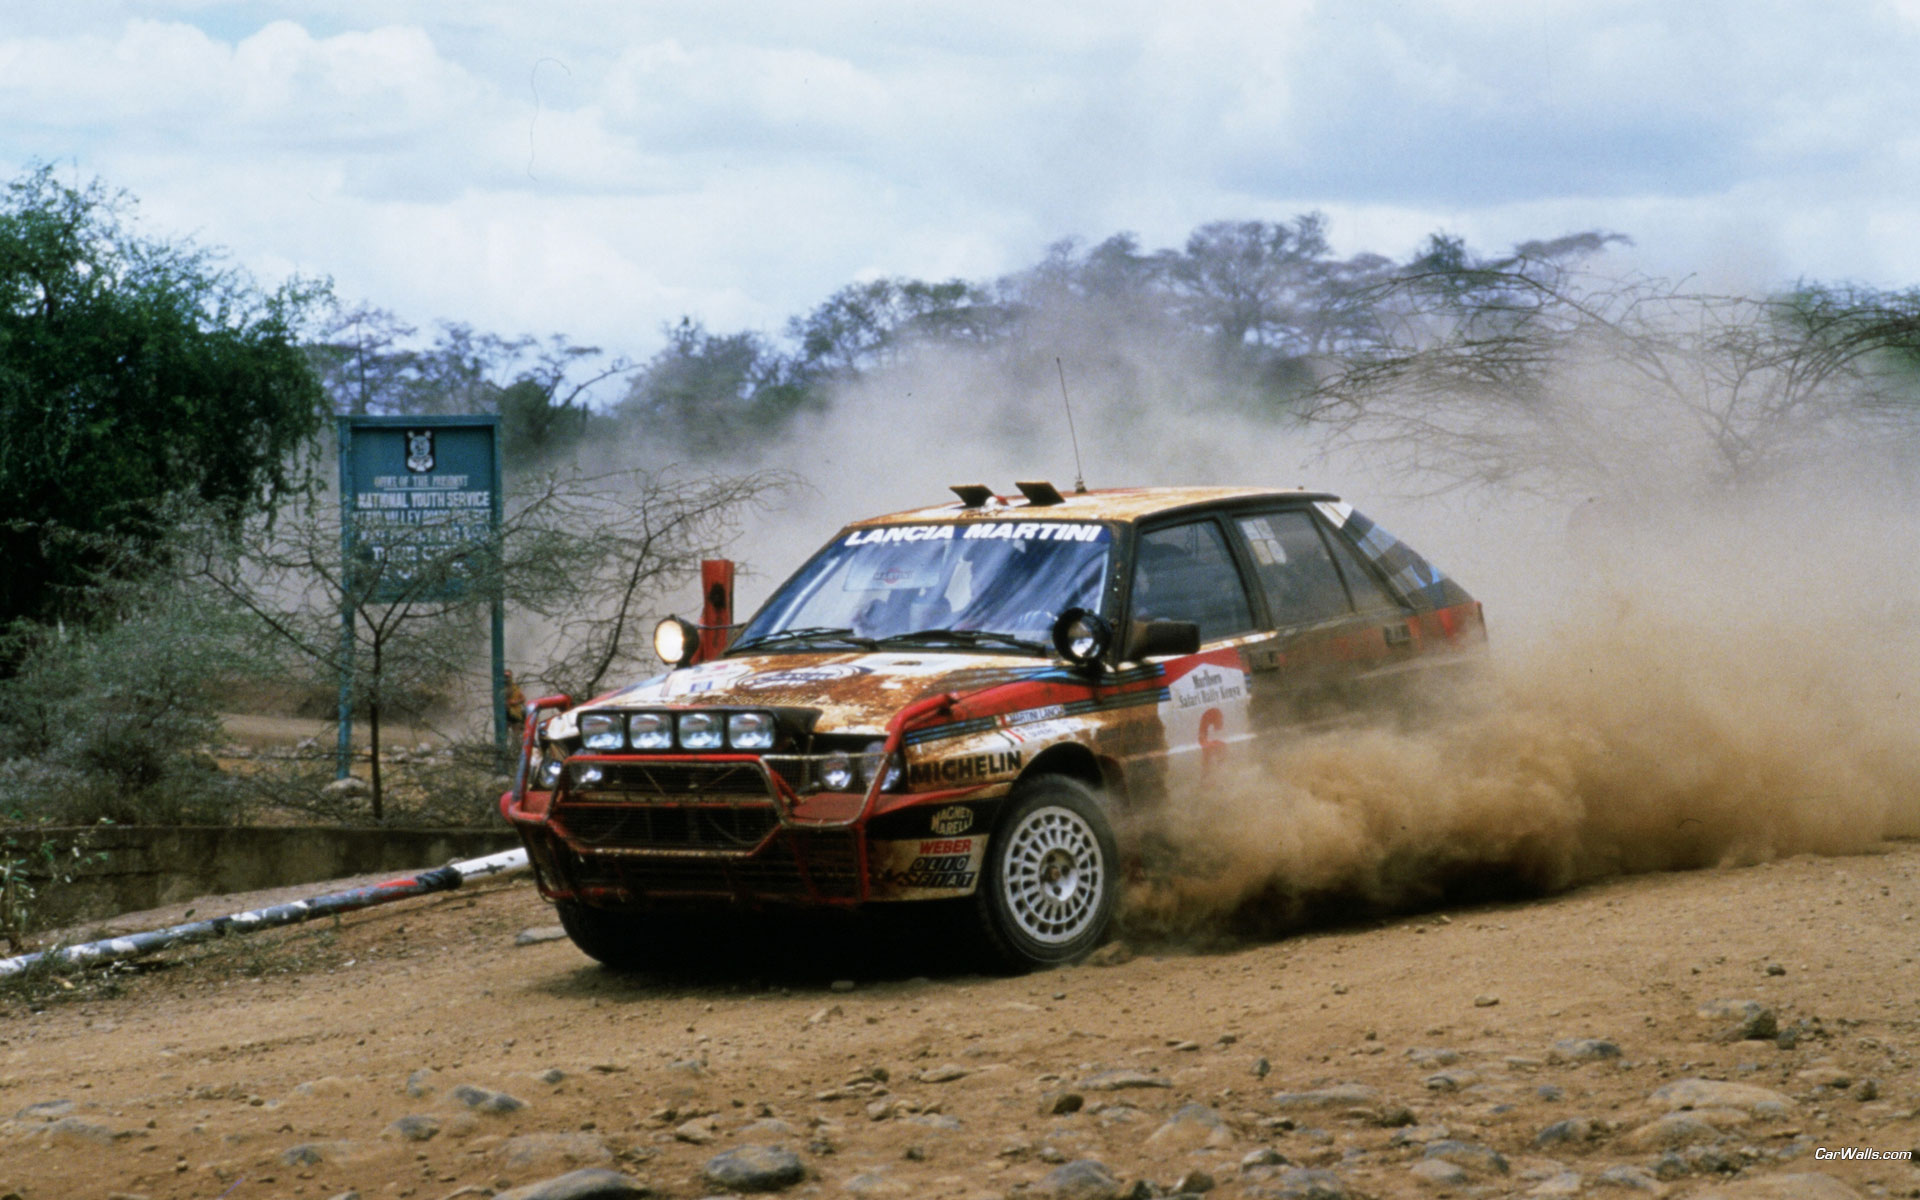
(420,510)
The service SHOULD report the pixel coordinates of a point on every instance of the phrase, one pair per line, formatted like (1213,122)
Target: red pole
(716,607)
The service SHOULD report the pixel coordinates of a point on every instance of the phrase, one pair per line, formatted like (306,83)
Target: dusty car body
(961,704)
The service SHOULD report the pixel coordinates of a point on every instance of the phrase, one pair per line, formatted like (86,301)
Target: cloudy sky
(599,167)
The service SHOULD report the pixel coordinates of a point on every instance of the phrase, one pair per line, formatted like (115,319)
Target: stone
(1562,1133)
(1115,1081)
(1194,1183)
(591,1183)
(768,1127)
(755,1169)
(46,1110)
(1345,1095)
(76,1129)
(1713,1093)
(1630,1178)
(481,1099)
(1191,1127)
(1681,1129)
(420,1083)
(1583,1050)
(540,933)
(1261,1068)
(874,1184)
(1299,1183)
(1474,1157)
(698,1132)
(1112,954)
(350,788)
(307,1154)
(1557,1187)
(1866,1090)
(944,1073)
(558,1149)
(1083,1179)
(1432,1056)
(414,1128)
(1437,1173)
(1059,1104)
(552,1076)
(1485,1000)
(1740,1020)
(1419,1135)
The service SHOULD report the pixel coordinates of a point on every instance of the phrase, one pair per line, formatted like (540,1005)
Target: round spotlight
(676,641)
(1082,636)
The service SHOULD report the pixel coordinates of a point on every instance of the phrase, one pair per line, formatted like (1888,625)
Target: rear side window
(1185,573)
(1291,560)
(1369,594)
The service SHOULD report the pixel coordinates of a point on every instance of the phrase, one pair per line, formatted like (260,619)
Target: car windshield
(986,584)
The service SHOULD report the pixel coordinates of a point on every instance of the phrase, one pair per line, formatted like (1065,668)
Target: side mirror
(1154,639)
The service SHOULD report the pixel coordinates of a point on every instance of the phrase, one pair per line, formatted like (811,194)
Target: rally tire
(1051,883)
(617,940)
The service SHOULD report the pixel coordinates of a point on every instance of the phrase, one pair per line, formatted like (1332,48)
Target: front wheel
(1048,893)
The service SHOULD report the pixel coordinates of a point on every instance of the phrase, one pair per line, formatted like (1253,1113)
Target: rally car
(960,705)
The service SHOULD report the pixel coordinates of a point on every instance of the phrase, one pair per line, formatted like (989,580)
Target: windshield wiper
(963,637)
(817,633)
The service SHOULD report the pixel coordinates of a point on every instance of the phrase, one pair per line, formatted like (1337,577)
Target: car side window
(1186,573)
(1369,594)
(1295,571)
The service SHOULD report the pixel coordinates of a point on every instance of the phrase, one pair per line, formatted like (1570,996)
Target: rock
(1866,1090)
(1557,1187)
(1437,1173)
(1485,1000)
(944,1073)
(1582,1050)
(75,1129)
(1825,1077)
(1059,1104)
(940,1121)
(841,985)
(1344,1095)
(1561,1133)
(1420,1135)
(1084,1179)
(768,1127)
(1682,1129)
(540,933)
(1471,1155)
(420,1083)
(558,1149)
(1261,1068)
(1194,1183)
(307,1154)
(1115,1081)
(1191,1127)
(1712,1093)
(480,1099)
(1395,1116)
(1633,1179)
(1297,1183)
(755,1169)
(1432,1056)
(552,1076)
(1265,1156)
(1112,954)
(1740,1020)
(350,788)
(46,1110)
(697,1132)
(592,1183)
(1449,1081)
(414,1128)
(1806,1186)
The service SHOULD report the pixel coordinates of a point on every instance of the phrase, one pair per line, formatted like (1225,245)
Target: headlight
(699,731)
(650,731)
(551,764)
(600,731)
(836,772)
(675,641)
(750,731)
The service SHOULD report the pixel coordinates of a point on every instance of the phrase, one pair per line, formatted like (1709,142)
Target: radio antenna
(1079,479)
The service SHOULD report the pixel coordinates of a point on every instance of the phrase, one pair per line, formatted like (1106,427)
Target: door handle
(1397,635)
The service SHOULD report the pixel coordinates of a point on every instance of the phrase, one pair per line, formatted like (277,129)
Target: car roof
(1103,504)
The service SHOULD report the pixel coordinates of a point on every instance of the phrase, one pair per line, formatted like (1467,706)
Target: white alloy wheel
(1053,875)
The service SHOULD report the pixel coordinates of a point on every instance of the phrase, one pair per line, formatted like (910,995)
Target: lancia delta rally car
(963,704)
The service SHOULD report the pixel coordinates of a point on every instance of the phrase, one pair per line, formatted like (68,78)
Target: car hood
(855,692)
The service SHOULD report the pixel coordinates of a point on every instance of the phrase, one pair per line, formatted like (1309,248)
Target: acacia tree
(589,556)
(133,372)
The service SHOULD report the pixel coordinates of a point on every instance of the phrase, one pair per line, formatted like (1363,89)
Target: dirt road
(1534,1048)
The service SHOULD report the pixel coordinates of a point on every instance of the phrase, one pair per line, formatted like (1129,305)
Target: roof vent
(1041,494)
(972,495)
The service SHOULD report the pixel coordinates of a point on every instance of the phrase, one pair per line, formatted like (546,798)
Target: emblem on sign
(952,820)
(420,451)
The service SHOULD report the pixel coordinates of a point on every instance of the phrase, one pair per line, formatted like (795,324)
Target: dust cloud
(1679,676)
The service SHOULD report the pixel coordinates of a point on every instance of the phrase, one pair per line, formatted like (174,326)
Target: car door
(1335,625)
(1189,570)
